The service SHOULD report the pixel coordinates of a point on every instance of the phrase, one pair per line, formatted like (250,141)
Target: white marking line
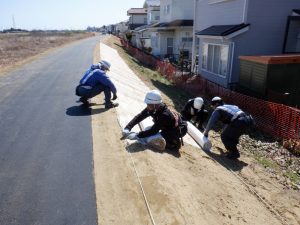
(137,175)
(272,209)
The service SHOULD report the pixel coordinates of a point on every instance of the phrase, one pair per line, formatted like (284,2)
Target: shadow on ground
(138,147)
(83,110)
(229,164)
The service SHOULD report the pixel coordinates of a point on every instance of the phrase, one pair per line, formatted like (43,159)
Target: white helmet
(153,97)
(198,103)
(216,100)
(105,64)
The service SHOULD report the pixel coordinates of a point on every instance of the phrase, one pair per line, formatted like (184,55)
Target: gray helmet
(105,64)
(153,97)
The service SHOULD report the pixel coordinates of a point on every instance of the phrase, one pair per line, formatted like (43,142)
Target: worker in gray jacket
(236,122)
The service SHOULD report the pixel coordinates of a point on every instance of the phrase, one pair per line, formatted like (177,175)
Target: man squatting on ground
(167,123)
(94,81)
(194,112)
(236,124)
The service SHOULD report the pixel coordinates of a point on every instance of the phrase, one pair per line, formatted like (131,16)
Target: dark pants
(90,92)
(232,132)
(172,138)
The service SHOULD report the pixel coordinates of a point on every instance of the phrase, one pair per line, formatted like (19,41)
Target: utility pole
(13,21)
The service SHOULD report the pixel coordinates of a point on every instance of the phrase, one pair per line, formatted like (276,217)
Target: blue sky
(64,14)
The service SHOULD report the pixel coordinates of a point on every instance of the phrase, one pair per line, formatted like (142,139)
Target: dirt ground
(193,188)
(18,48)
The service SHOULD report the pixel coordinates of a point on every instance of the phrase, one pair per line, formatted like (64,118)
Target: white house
(174,32)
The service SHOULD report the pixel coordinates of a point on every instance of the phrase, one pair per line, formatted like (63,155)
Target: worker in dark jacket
(95,81)
(236,122)
(194,112)
(167,123)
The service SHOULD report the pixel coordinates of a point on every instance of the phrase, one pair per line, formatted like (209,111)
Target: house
(173,35)
(137,17)
(142,34)
(121,28)
(227,29)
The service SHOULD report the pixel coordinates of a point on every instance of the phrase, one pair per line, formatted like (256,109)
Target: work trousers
(232,132)
(90,92)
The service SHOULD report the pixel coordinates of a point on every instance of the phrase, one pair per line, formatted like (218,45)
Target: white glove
(125,132)
(132,136)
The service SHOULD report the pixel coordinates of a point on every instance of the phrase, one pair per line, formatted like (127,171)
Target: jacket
(94,77)
(163,119)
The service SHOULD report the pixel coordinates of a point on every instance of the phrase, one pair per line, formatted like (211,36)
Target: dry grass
(16,48)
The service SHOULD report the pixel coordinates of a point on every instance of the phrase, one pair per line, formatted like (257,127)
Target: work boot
(84,101)
(109,105)
(158,143)
(233,155)
(174,145)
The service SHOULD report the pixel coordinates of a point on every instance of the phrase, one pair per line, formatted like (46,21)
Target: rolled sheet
(197,135)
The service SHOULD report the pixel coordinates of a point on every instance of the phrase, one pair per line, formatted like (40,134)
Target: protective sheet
(130,90)
(197,135)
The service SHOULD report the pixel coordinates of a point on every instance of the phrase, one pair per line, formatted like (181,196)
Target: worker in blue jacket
(236,122)
(94,81)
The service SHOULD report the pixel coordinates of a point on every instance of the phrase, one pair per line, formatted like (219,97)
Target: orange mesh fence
(275,119)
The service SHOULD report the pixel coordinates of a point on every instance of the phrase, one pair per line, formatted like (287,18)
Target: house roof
(222,30)
(136,11)
(142,28)
(175,23)
(297,11)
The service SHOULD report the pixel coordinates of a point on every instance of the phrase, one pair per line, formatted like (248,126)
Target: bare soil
(18,48)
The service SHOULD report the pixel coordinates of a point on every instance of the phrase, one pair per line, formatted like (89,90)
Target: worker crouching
(168,128)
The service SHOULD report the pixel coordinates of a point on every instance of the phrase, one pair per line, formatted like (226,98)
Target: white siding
(176,10)
(139,19)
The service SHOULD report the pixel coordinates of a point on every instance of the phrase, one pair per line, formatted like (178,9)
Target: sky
(63,14)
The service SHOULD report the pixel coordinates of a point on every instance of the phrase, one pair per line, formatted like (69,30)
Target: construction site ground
(137,185)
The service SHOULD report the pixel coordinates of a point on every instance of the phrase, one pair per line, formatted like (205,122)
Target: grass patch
(294,177)
(265,162)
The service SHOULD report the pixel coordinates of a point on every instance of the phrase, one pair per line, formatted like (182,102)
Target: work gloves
(129,135)
(114,97)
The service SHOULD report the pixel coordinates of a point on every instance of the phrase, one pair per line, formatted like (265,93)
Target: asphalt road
(46,158)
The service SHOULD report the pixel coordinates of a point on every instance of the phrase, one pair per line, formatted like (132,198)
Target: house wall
(176,9)
(155,43)
(267,21)
(266,33)
(179,45)
(163,41)
(153,15)
(222,13)
(138,19)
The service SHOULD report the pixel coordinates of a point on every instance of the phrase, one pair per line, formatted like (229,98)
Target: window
(187,41)
(167,9)
(215,58)
(170,46)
